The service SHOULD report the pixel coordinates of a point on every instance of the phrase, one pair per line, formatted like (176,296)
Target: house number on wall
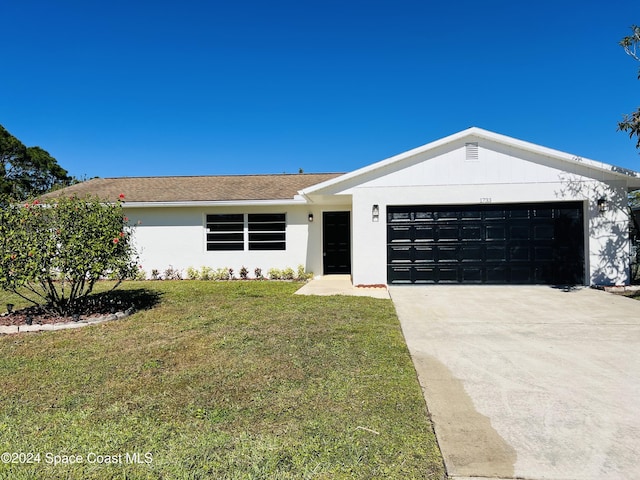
(485,199)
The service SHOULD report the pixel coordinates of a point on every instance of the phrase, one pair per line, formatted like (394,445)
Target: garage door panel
(519,232)
(400,273)
(399,253)
(519,253)
(424,254)
(469,215)
(543,232)
(520,274)
(501,244)
(496,253)
(471,233)
(543,254)
(447,253)
(447,215)
(424,215)
(497,274)
(424,233)
(448,233)
(472,253)
(495,232)
(543,273)
(472,274)
(519,213)
(424,275)
(447,274)
(573,213)
(398,216)
(542,212)
(495,214)
(400,233)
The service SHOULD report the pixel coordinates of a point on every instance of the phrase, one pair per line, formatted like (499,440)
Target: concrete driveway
(528,382)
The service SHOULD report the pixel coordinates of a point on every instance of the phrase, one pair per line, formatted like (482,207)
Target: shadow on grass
(98,303)
(120,300)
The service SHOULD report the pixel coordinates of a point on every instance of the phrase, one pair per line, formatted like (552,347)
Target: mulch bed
(97,305)
(38,316)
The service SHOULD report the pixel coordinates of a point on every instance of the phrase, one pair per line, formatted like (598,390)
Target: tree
(631,122)
(52,254)
(26,172)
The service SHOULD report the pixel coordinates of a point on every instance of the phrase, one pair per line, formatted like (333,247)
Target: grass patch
(232,380)
(632,294)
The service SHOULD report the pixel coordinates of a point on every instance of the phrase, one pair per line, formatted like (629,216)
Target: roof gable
(539,157)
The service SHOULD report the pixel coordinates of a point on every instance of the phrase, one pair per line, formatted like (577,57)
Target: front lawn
(218,380)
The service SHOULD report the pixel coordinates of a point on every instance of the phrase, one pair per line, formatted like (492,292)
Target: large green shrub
(52,254)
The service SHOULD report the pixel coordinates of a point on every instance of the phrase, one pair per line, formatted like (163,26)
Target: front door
(336,242)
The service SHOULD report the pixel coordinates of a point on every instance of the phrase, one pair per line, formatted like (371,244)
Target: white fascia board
(482,134)
(384,163)
(222,203)
(552,153)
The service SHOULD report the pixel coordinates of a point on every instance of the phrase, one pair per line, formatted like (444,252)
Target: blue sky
(145,88)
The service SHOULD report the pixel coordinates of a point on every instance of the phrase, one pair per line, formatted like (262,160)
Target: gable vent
(471,152)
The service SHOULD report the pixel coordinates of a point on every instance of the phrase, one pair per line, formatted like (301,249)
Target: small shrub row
(208,273)
(226,273)
(289,274)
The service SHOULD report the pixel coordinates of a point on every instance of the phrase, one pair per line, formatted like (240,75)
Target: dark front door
(336,242)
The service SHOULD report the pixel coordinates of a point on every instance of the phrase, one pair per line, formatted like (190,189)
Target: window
(225,232)
(267,231)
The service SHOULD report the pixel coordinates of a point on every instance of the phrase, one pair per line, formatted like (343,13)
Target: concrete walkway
(528,382)
(340,285)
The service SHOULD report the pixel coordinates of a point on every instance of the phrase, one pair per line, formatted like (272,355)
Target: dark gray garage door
(489,243)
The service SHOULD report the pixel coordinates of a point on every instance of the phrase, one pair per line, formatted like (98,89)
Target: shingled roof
(197,189)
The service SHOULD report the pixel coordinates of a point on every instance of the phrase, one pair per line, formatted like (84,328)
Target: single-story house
(473,207)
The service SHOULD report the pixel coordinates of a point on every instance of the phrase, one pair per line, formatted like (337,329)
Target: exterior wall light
(602,205)
(375,213)
(311,217)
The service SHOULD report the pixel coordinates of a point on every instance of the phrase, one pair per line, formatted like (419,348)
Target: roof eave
(217,203)
(483,134)
(553,153)
(388,161)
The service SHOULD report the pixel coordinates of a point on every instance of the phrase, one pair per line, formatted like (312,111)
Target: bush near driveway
(220,380)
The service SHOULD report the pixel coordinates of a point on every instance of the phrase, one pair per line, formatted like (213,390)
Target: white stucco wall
(608,235)
(440,176)
(496,177)
(176,237)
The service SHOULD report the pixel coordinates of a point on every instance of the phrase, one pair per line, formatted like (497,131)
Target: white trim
(476,132)
(217,203)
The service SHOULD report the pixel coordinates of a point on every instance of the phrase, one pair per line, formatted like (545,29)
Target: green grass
(231,380)
(635,295)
